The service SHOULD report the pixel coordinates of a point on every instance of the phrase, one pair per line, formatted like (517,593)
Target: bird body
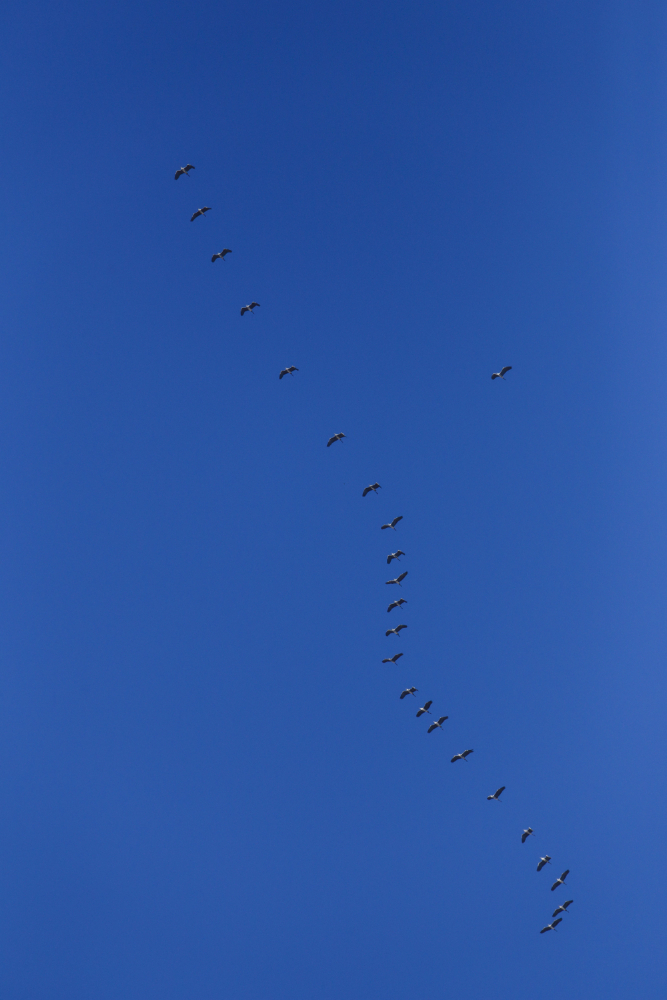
(398,578)
(498,792)
(561,880)
(221,255)
(374,488)
(438,724)
(503,371)
(288,371)
(562,908)
(184,170)
(553,926)
(526,834)
(396,604)
(425,707)
(395,631)
(407,692)
(546,860)
(249,308)
(394,658)
(395,555)
(392,524)
(200,211)
(461,756)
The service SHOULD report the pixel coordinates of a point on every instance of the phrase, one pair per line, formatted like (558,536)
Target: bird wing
(559,921)
(427,705)
(389,558)
(434,725)
(395,604)
(403,694)
(556,884)
(541,865)
(564,875)
(396,520)
(198,212)
(178,174)
(567,903)
(225,251)
(503,371)
(376,486)
(443,718)
(387,660)
(282,373)
(367,490)
(397,657)
(402,576)
(547,928)
(466,752)
(495,375)
(559,909)
(399,627)
(524,837)
(390,631)
(244,310)
(331,440)
(189,166)
(500,790)
(253,304)
(383,526)
(214,257)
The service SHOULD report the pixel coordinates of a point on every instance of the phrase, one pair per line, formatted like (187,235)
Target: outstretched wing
(331,440)
(396,520)
(427,704)
(495,375)
(399,627)
(559,921)
(245,310)
(367,490)
(254,304)
(403,694)
(466,752)
(443,718)
(402,576)
(198,212)
(189,166)
(564,875)
(547,928)
(524,837)
(178,173)
(503,371)
(283,373)
(499,791)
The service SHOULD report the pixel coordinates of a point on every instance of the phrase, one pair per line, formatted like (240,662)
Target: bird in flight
(221,255)
(392,524)
(288,371)
(396,604)
(526,834)
(425,707)
(561,880)
(546,860)
(395,631)
(461,756)
(408,691)
(438,724)
(393,659)
(336,437)
(395,555)
(551,927)
(498,792)
(562,908)
(502,373)
(184,170)
(398,578)
(201,211)
(249,308)
(375,487)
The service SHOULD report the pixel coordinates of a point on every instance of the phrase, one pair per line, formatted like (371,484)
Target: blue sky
(209,785)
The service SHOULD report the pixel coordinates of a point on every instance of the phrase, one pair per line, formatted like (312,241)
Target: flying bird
(395,555)
(220,255)
(201,211)
(288,371)
(375,487)
(398,578)
(561,880)
(392,659)
(546,860)
(184,170)
(503,371)
(526,834)
(336,437)
(562,908)
(438,724)
(249,308)
(552,927)
(392,524)
(498,792)
(461,756)
(408,691)
(396,604)
(395,631)
(425,707)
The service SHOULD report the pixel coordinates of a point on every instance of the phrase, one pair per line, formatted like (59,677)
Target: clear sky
(209,786)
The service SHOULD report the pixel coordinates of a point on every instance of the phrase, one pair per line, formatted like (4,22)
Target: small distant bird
(503,371)
(425,707)
(526,834)
(375,487)
(553,926)
(201,211)
(438,724)
(288,371)
(392,524)
(546,860)
(396,604)
(398,578)
(461,756)
(561,880)
(392,659)
(336,437)
(395,555)
(221,255)
(498,792)
(184,170)
(249,308)
(395,631)
(408,691)
(562,908)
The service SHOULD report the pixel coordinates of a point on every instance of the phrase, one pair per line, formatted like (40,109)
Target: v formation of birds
(425,709)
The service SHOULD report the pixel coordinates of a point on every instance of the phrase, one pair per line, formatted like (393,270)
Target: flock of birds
(397,581)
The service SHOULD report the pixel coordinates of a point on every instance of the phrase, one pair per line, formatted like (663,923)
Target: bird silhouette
(438,724)
(407,692)
(221,255)
(336,437)
(546,860)
(395,631)
(461,756)
(395,555)
(394,658)
(503,371)
(526,834)
(249,308)
(375,487)
(288,371)
(392,524)
(498,792)
(184,170)
(562,908)
(200,211)
(553,926)
(561,880)
(397,604)
(425,707)
(398,578)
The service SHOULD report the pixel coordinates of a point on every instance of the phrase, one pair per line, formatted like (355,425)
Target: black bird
(546,860)
(392,524)
(562,908)
(201,211)
(249,308)
(375,487)
(398,578)
(336,437)
(395,631)
(395,555)
(288,371)
(425,707)
(461,756)
(561,880)
(498,792)
(397,604)
(392,659)
(438,724)
(220,255)
(503,371)
(408,691)
(526,834)
(183,170)
(553,926)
